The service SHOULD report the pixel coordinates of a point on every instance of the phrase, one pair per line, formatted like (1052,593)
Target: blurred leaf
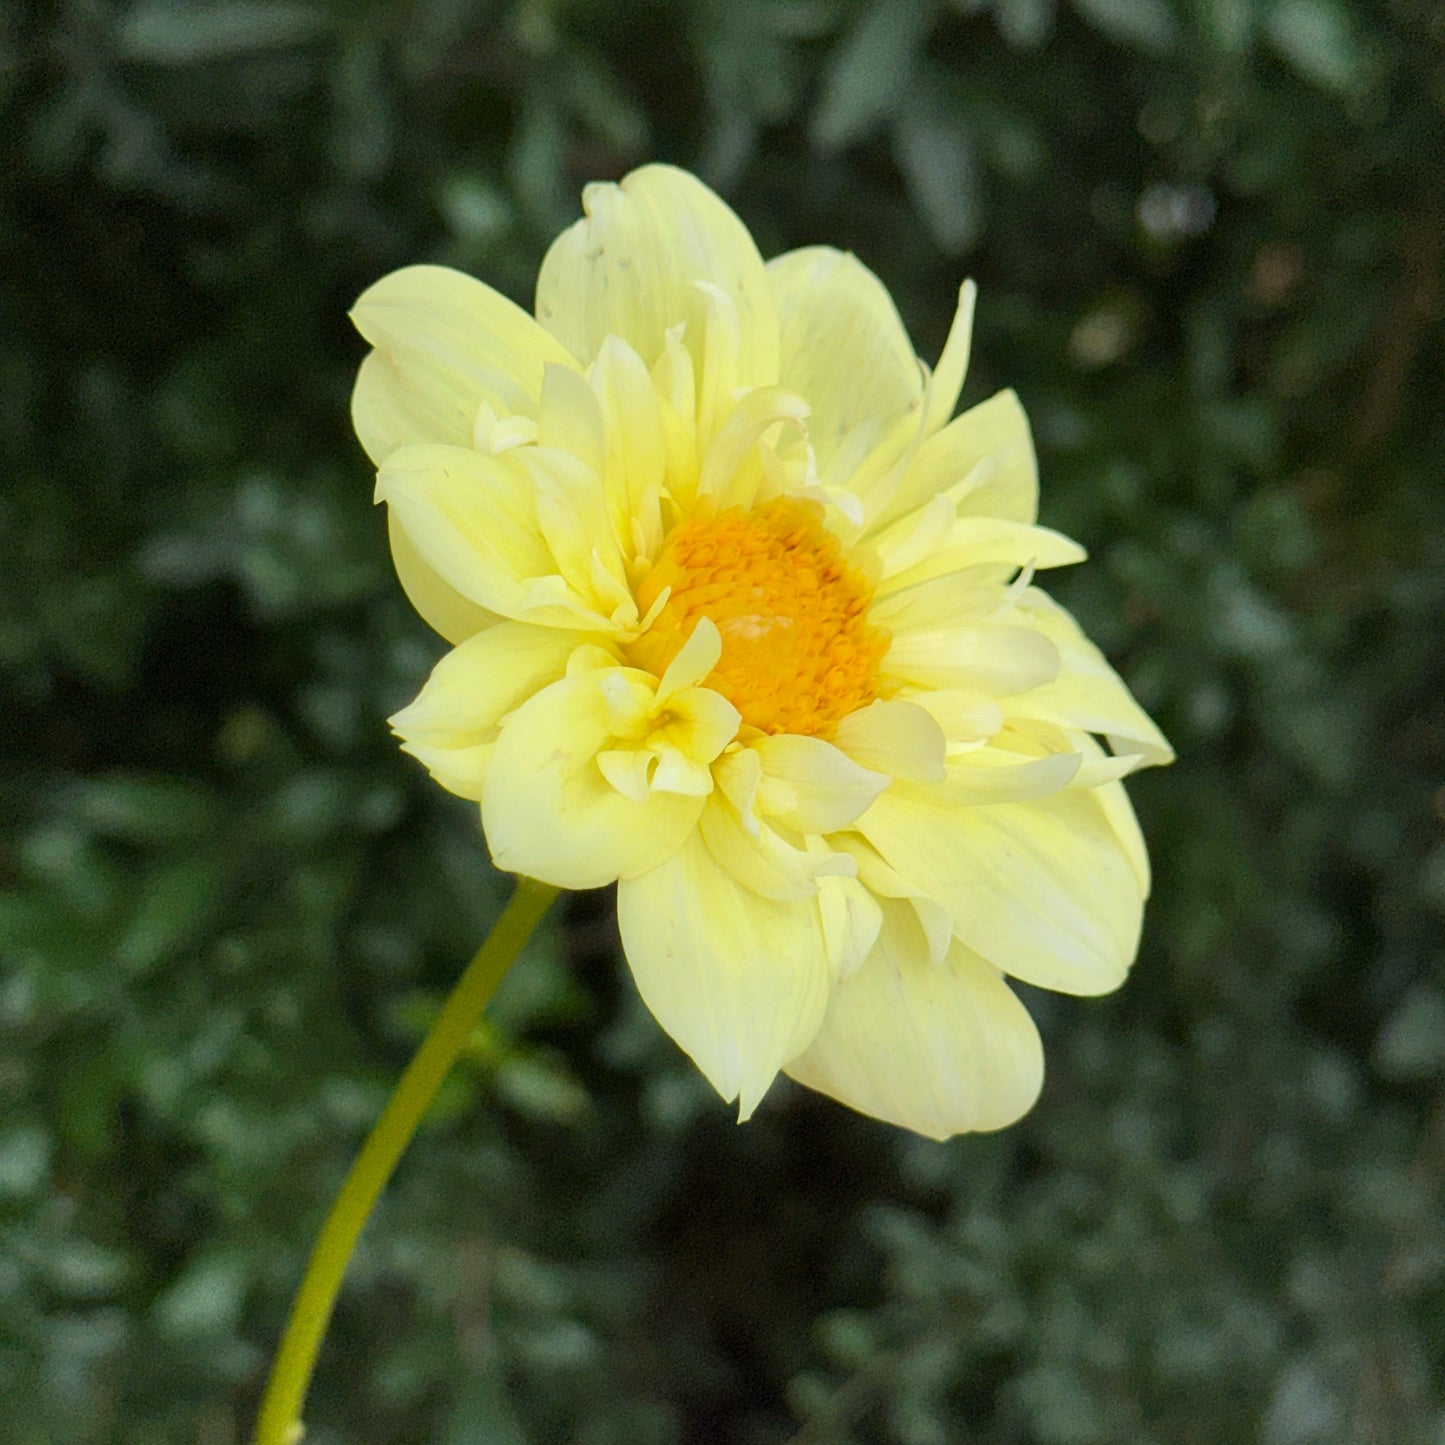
(869,72)
(1411,1044)
(936,155)
(140,809)
(1319,40)
(1147,25)
(182,32)
(1025,24)
(171,908)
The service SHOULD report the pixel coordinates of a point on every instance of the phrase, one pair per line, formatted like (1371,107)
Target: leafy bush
(1208,236)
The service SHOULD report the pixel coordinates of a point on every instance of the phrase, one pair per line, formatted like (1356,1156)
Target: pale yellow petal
(897,738)
(1114,802)
(1044,890)
(843,347)
(445,343)
(630,268)
(571,510)
(674,381)
(699,724)
(972,542)
(964,598)
(479,681)
(811,786)
(758,858)
(985,776)
(1087,693)
(439,604)
(966,715)
(473,521)
(451,725)
(995,658)
(940,1049)
(550,813)
(695,659)
(851,917)
(571,417)
(724,477)
(946,382)
(470,518)
(987,454)
(636,468)
(740,982)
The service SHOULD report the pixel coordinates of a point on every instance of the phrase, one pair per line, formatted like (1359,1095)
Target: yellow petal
(897,738)
(994,658)
(961,598)
(571,511)
(720,375)
(724,477)
(843,346)
(970,542)
(451,725)
(699,724)
(1043,890)
(946,382)
(759,859)
(987,454)
(966,715)
(445,343)
(550,813)
(811,786)
(472,519)
(1114,803)
(1087,693)
(695,659)
(636,469)
(440,605)
(740,982)
(629,270)
(991,775)
(674,380)
(885,882)
(851,917)
(941,1050)
(571,417)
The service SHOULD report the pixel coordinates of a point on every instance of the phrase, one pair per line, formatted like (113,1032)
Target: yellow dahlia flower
(743,622)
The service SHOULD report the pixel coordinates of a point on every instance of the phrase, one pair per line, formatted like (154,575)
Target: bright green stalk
(280,1419)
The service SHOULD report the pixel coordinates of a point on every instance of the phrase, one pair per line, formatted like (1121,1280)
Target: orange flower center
(798,653)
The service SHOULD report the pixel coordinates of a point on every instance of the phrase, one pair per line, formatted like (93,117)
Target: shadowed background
(1208,236)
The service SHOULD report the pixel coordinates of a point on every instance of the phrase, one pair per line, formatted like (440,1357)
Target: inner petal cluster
(798,651)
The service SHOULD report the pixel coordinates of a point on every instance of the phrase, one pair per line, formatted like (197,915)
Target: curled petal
(636,450)
(974,542)
(758,858)
(550,812)
(471,519)
(897,738)
(947,379)
(811,786)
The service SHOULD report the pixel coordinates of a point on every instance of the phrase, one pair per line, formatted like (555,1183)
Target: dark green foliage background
(1209,237)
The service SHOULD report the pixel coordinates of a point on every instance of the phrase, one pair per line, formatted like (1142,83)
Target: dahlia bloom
(742,621)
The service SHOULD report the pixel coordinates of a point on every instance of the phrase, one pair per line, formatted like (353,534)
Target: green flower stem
(280,1420)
